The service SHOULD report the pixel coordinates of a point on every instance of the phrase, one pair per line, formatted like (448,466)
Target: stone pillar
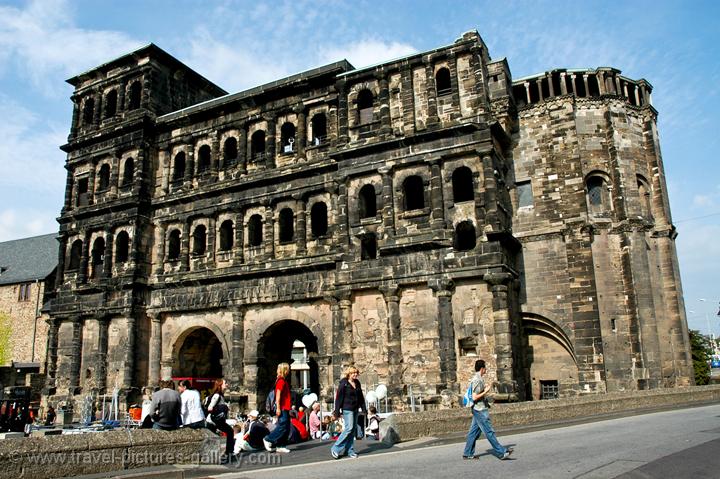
(185,246)
(563,83)
(600,76)
(491,216)
(84,259)
(236,374)
(301,133)
(437,212)
(75,116)
(238,242)
(384,100)
(121,107)
(91,183)
(242,148)
(551,88)
(129,366)
(538,82)
(114,174)
(342,217)
(498,283)
(301,233)
(269,232)
(407,97)
(215,156)
(52,347)
(189,165)
(388,215)
(155,349)
(585,82)
(97,112)
(433,120)
(75,354)
(102,351)
(108,256)
(160,249)
(342,113)
(69,181)
(446,335)
(527,91)
(270,143)
(395,354)
(341,330)
(62,251)
(572,84)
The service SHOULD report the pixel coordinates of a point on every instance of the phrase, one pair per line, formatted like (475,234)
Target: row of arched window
(110,105)
(103,179)
(97,256)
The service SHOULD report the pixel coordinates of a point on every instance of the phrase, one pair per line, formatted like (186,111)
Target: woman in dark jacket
(218,410)
(349,399)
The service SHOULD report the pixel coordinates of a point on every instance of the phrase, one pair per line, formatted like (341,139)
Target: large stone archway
(194,330)
(198,354)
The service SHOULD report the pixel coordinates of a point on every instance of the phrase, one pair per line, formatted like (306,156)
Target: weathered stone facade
(409,217)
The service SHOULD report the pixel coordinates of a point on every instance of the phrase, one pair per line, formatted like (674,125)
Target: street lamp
(712,335)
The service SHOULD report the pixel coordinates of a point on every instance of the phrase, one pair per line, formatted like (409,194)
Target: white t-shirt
(191,410)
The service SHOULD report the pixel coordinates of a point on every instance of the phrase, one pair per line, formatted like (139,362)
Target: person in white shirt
(190,410)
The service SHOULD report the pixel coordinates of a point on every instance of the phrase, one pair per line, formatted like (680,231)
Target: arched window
(179,167)
(88,111)
(462,185)
(413,194)
(104,177)
(230,151)
(464,238)
(368,207)
(122,247)
(645,200)
(75,255)
(128,172)
(318,219)
(287,137)
(226,235)
(98,257)
(257,145)
(286,221)
(111,104)
(173,251)
(319,128)
(135,95)
(203,159)
(442,82)
(199,240)
(365,106)
(82,192)
(597,194)
(255,232)
(368,246)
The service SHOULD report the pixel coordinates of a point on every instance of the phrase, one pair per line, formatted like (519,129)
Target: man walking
(481,417)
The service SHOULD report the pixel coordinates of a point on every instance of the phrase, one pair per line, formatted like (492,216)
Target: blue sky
(239,44)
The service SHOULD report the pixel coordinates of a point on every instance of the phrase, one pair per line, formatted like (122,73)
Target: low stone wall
(409,426)
(94,453)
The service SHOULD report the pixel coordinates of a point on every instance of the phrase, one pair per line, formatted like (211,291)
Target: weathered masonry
(408,217)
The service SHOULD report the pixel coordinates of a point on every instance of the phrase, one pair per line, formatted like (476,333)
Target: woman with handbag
(349,399)
(218,411)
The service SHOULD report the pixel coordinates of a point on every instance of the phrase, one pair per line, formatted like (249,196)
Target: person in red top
(283,404)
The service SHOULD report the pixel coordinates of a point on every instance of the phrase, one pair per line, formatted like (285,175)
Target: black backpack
(270,404)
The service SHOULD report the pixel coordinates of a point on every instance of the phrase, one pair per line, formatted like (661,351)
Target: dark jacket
(166,406)
(349,398)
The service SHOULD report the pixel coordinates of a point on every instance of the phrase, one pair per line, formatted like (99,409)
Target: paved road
(670,444)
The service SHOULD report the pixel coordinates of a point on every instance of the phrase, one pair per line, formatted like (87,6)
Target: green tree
(5,352)
(701,351)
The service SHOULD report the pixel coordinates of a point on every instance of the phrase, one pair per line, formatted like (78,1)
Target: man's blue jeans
(344,443)
(481,424)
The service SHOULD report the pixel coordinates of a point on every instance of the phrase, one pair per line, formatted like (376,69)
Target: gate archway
(197,353)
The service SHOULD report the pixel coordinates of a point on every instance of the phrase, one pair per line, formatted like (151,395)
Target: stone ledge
(409,426)
(93,453)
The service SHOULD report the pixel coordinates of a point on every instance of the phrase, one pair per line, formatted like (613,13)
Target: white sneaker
(283,450)
(268,445)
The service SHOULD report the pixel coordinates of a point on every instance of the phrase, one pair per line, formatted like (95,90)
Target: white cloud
(366,52)
(22,223)
(42,43)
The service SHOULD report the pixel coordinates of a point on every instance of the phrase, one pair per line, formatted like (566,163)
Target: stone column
(155,349)
(185,246)
(342,113)
(139,171)
(52,347)
(585,83)
(384,100)
(102,351)
(75,116)
(301,233)
(527,91)
(160,249)
(97,112)
(572,84)
(395,354)
(238,243)
(121,97)
(538,82)
(215,156)
(189,165)
(242,148)
(270,143)
(69,182)
(84,259)
(446,334)
(563,83)
(114,174)
(452,66)
(342,215)
(407,97)
(437,213)
(490,184)
(498,283)
(108,256)
(433,120)
(129,366)
(91,183)
(237,375)
(388,215)
(62,251)
(269,232)
(76,354)
(341,330)
(301,134)
(600,77)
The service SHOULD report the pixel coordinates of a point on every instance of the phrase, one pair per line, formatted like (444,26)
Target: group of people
(172,409)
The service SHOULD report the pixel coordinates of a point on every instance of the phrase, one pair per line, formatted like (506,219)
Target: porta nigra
(408,217)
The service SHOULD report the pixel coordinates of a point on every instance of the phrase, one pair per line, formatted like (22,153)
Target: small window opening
(287,227)
(179,167)
(174,245)
(98,257)
(230,151)
(464,239)
(613,324)
(104,180)
(413,193)
(534,91)
(442,82)
(545,88)
(593,87)
(24,292)
(580,86)
(226,235)
(88,111)
(287,137)
(368,206)
(555,78)
(468,347)
(128,172)
(318,220)
(75,255)
(135,95)
(595,192)
(122,247)
(365,106)
(549,390)
(111,104)
(368,247)
(524,194)
(462,185)
(255,233)
(257,145)
(199,240)
(644,192)
(82,194)
(203,159)
(319,129)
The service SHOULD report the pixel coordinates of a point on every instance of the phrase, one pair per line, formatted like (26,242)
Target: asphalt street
(669,444)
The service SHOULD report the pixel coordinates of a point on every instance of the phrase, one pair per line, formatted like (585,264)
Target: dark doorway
(198,355)
(292,342)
